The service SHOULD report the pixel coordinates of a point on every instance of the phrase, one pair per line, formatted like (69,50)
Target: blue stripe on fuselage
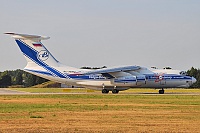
(168,76)
(125,80)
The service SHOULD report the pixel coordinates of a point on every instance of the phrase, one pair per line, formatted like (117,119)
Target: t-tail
(39,60)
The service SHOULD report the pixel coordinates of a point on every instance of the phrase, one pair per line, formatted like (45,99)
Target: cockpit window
(167,68)
(153,67)
(183,73)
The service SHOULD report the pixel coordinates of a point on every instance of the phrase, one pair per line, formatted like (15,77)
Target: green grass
(98,102)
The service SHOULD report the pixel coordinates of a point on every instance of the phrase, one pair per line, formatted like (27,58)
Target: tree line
(21,78)
(196,74)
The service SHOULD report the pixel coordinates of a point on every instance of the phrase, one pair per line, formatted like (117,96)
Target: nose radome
(193,80)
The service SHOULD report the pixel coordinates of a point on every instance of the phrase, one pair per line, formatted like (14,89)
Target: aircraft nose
(193,80)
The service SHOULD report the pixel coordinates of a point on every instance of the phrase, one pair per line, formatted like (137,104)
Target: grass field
(99,113)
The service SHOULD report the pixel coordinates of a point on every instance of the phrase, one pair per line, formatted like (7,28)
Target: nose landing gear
(162,91)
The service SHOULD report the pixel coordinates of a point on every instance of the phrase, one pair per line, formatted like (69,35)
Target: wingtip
(9,33)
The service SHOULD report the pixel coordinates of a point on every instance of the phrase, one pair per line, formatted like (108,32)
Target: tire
(161,91)
(104,91)
(115,91)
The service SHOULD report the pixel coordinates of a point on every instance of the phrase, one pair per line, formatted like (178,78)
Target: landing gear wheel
(161,91)
(115,91)
(105,91)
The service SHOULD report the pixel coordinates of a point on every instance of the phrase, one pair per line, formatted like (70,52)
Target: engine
(129,81)
(141,79)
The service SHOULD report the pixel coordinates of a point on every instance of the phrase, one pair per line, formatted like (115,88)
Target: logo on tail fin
(43,55)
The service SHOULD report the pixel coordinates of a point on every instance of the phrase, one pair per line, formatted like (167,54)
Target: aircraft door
(163,82)
(161,79)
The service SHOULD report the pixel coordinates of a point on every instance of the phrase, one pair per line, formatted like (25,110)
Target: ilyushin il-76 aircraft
(41,62)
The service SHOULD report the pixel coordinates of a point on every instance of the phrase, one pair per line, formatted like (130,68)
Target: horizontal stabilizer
(26,36)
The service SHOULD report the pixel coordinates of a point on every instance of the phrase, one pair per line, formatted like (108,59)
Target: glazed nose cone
(193,80)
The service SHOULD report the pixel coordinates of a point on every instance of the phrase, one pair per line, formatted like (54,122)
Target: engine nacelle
(129,81)
(141,79)
(125,81)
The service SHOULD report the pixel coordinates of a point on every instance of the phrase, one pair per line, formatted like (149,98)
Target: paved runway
(6,91)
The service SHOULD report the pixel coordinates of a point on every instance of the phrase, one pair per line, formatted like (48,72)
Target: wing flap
(108,72)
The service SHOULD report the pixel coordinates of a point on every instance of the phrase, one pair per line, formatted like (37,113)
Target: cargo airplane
(42,63)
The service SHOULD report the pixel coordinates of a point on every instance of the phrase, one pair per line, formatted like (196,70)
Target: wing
(115,72)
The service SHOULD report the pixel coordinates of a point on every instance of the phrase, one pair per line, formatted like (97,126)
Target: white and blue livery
(41,62)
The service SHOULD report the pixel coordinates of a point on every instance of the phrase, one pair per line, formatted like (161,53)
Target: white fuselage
(145,78)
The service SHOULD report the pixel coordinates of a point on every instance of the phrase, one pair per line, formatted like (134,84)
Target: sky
(105,32)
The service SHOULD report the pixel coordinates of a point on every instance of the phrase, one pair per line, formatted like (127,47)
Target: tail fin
(34,51)
(40,61)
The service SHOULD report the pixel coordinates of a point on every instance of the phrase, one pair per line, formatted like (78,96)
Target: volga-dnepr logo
(43,55)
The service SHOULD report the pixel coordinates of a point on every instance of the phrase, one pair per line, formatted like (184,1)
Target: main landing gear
(114,90)
(162,91)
